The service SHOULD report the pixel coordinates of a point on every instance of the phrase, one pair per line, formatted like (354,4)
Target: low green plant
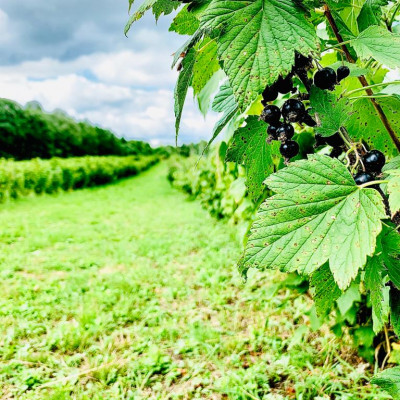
(23,178)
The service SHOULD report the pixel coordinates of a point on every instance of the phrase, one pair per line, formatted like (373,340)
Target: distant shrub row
(22,178)
(29,132)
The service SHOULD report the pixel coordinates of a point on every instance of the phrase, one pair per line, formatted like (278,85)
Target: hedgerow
(37,176)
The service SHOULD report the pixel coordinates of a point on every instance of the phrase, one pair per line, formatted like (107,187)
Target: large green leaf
(389,380)
(182,86)
(365,124)
(145,6)
(333,113)
(249,147)
(378,291)
(371,13)
(380,44)
(185,23)
(317,215)
(390,255)
(205,65)
(325,289)
(350,14)
(257,41)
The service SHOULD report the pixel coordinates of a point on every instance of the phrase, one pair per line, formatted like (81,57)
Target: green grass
(130,291)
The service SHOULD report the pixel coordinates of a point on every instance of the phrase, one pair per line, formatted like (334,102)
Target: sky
(73,55)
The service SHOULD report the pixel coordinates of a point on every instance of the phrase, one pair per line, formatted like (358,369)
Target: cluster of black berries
(373,162)
(327,78)
(293,110)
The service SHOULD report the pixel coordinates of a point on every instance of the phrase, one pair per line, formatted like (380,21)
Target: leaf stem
(372,86)
(362,79)
(372,183)
(394,16)
(375,96)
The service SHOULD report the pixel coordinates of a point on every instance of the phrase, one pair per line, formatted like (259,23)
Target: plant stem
(372,183)
(394,16)
(374,96)
(362,79)
(372,86)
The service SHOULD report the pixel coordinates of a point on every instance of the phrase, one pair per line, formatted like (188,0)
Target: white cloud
(136,105)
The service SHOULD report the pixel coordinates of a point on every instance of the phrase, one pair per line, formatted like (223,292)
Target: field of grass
(129,291)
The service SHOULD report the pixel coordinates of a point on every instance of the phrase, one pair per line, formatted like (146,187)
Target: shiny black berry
(334,140)
(363,177)
(336,152)
(293,110)
(285,132)
(271,114)
(342,73)
(374,161)
(325,78)
(272,131)
(301,62)
(308,120)
(289,149)
(284,85)
(270,94)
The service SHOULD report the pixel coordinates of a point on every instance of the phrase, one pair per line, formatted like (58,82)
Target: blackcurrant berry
(374,161)
(284,85)
(334,140)
(363,177)
(308,120)
(271,115)
(319,140)
(293,110)
(285,132)
(302,62)
(289,149)
(270,94)
(336,152)
(272,131)
(325,78)
(342,72)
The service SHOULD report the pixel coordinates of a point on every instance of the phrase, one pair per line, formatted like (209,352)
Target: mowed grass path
(129,291)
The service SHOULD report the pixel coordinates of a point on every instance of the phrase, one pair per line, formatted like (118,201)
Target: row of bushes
(29,132)
(23,178)
(220,187)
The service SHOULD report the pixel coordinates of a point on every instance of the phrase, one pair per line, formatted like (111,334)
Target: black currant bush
(322,101)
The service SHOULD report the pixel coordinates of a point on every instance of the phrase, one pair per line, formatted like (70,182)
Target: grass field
(129,291)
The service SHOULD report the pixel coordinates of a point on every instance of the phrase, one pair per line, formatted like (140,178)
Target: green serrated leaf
(366,126)
(249,147)
(379,293)
(389,380)
(350,14)
(317,215)
(371,13)
(326,291)
(145,6)
(380,44)
(333,113)
(165,7)
(205,65)
(185,23)
(253,47)
(182,86)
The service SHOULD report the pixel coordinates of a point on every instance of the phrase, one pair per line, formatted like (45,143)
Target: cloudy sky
(73,55)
